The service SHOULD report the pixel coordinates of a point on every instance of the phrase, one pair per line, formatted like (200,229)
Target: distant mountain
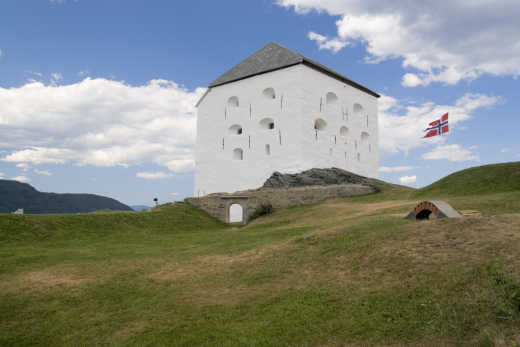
(140,207)
(15,195)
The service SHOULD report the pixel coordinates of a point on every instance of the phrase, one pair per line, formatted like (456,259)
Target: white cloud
(334,45)
(99,122)
(56,77)
(504,150)
(21,178)
(444,41)
(411,80)
(43,172)
(40,155)
(401,126)
(388,169)
(408,179)
(1,175)
(1,53)
(24,166)
(454,153)
(174,194)
(153,175)
(34,73)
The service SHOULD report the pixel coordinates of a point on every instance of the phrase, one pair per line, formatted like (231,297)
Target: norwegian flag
(439,127)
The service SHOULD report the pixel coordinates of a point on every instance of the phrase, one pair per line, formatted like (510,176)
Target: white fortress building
(280,111)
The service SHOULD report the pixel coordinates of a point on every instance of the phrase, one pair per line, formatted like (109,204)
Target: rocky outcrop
(317,177)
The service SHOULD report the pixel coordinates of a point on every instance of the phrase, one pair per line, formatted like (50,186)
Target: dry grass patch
(130,331)
(429,244)
(336,211)
(60,277)
(331,211)
(215,264)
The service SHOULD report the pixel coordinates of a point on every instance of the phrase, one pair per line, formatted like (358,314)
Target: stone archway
(236,213)
(235,208)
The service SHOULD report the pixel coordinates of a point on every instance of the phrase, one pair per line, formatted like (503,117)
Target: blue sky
(98,96)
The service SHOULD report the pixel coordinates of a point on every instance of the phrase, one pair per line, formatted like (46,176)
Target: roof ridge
(270,57)
(273,56)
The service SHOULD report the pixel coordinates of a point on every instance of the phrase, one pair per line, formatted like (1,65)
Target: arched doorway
(423,214)
(236,213)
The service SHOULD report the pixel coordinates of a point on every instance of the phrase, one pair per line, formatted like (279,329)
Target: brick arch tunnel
(438,208)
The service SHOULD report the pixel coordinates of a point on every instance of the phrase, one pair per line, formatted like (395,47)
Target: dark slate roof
(274,57)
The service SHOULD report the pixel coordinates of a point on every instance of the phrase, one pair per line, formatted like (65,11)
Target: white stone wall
(293,145)
(329,147)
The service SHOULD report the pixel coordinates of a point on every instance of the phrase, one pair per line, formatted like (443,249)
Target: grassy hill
(348,271)
(15,195)
(487,179)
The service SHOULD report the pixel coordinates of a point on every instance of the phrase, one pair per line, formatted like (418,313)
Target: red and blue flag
(438,127)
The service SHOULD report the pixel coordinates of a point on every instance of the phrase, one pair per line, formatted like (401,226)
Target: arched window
(267,123)
(320,124)
(331,98)
(269,93)
(343,131)
(358,109)
(268,149)
(236,213)
(238,154)
(233,101)
(235,129)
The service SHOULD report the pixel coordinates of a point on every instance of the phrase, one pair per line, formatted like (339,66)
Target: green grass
(345,272)
(487,179)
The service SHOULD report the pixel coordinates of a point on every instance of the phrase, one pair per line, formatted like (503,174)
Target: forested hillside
(15,195)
